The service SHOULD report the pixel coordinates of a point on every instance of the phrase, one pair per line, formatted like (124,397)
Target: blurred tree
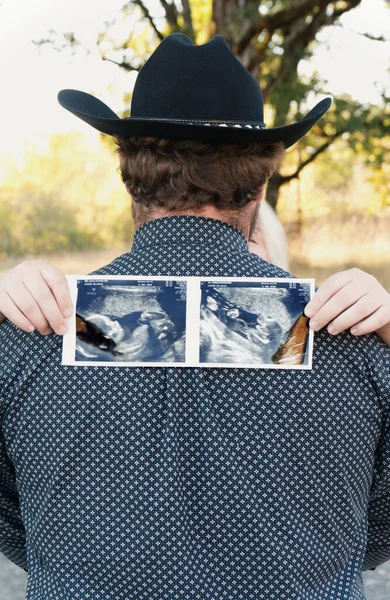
(271,38)
(66,196)
(372,141)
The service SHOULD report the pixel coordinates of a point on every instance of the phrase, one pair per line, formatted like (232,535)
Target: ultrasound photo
(259,323)
(188,321)
(130,321)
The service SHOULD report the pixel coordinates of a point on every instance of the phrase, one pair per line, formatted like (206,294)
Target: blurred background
(61,198)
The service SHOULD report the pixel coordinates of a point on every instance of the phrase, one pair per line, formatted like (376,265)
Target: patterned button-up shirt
(190,483)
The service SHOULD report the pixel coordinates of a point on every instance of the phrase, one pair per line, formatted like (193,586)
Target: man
(154,483)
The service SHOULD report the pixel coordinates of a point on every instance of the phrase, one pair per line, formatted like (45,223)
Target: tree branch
(149,17)
(294,47)
(350,4)
(285,17)
(311,158)
(187,17)
(258,54)
(42,41)
(274,21)
(125,65)
(375,38)
(170,13)
(301,40)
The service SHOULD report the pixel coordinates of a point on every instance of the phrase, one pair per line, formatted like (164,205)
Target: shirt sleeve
(12,533)
(378,540)
(16,366)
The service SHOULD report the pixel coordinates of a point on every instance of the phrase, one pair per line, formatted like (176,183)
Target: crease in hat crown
(186,91)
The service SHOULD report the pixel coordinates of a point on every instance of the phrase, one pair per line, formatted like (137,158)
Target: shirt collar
(190,231)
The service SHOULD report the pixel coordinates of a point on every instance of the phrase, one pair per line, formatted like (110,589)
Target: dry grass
(324,246)
(71,262)
(329,244)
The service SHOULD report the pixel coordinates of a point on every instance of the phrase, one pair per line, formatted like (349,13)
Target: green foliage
(64,197)
(332,173)
(272,38)
(68,197)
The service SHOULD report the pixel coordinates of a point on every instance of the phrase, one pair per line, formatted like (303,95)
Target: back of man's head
(182,175)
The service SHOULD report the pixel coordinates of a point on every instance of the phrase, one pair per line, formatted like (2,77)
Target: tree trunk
(273,189)
(220,19)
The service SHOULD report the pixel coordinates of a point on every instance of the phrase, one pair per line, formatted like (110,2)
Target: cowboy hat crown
(192,92)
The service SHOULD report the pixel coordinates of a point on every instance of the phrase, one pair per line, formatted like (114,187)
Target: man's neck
(240,219)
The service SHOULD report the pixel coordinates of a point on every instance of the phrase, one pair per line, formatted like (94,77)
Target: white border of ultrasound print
(192,322)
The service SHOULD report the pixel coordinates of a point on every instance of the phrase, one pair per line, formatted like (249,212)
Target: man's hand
(35,295)
(351,300)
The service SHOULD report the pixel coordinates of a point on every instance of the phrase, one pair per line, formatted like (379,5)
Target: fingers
(11,312)
(378,319)
(35,294)
(328,289)
(27,305)
(361,310)
(351,299)
(58,283)
(337,304)
(46,311)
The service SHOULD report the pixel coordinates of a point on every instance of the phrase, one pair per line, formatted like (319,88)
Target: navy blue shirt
(190,483)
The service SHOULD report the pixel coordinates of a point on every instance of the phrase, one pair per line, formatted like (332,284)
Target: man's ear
(260,195)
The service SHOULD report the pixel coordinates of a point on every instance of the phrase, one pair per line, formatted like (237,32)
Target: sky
(31,76)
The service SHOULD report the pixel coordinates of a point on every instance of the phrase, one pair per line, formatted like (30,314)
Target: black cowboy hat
(192,92)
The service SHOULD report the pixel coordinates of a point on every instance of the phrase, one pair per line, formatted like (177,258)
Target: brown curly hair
(187,174)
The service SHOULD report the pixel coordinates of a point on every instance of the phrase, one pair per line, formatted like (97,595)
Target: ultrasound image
(254,323)
(130,321)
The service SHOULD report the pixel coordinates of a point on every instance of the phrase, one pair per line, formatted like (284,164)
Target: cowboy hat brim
(97,114)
